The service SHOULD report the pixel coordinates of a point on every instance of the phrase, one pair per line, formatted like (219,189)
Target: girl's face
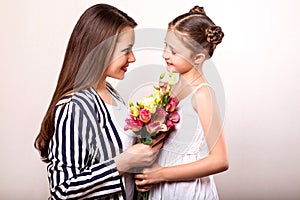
(177,56)
(122,55)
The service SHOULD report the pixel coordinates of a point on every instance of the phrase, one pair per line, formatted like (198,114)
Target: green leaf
(162,75)
(146,140)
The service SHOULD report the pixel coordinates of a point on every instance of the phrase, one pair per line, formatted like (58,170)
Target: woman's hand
(139,155)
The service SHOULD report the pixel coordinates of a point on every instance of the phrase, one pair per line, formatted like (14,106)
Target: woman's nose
(131,57)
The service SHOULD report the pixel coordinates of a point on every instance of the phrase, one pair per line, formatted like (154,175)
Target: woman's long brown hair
(88,53)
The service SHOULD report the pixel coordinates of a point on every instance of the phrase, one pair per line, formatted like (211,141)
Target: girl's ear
(199,58)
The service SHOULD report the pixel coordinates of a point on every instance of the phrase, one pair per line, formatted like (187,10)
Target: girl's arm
(217,160)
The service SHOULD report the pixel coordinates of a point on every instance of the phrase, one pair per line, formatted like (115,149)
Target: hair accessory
(197,10)
(214,34)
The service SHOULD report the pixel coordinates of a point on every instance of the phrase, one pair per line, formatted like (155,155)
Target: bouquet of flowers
(154,113)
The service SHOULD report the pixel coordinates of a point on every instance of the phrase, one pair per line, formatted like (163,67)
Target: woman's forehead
(126,35)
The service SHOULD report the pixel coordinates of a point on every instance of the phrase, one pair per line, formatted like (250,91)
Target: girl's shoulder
(202,94)
(202,87)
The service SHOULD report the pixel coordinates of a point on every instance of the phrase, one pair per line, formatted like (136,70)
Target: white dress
(185,145)
(118,114)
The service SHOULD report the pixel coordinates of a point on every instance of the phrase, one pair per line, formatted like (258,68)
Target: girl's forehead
(174,40)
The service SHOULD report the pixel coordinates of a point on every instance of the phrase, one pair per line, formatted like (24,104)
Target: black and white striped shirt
(82,149)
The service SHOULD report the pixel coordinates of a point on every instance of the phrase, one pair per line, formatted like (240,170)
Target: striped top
(82,149)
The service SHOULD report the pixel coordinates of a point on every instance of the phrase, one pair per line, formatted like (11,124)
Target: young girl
(78,138)
(197,149)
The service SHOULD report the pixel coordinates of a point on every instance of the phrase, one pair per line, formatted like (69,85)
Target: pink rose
(174,117)
(169,124)
(172,105)
(132,124)
(145,115)
(160,115)
(154,127)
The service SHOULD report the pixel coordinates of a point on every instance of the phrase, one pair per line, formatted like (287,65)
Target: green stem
(146,195)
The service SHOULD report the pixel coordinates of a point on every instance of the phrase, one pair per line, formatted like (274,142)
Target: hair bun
(197,10)
(214,34)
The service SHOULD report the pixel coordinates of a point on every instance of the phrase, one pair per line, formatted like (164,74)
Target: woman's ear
(199,58)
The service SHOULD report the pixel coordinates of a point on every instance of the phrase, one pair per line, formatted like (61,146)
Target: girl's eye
(170,49)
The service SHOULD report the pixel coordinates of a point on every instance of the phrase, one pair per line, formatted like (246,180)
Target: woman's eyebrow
(128,47)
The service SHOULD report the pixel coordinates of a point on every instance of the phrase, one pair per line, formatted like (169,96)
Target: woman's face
(176,55)
(122,55)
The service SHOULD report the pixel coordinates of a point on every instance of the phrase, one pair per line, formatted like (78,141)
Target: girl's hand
(139,155)
(149,177)
(144,188)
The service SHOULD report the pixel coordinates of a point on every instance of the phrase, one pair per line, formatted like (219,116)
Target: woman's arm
(217,160)
(70,174)
(139,155)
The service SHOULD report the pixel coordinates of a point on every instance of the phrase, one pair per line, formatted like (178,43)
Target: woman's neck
(102,91)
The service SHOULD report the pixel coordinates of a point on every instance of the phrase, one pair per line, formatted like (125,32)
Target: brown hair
(89,51)
(198,31)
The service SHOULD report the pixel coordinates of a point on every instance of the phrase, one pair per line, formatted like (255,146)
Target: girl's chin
(170,69)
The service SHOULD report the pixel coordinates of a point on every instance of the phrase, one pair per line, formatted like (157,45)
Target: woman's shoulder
(80,103)
(82,97)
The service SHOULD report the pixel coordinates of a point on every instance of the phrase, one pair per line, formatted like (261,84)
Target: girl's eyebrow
(167,44)
(171,47)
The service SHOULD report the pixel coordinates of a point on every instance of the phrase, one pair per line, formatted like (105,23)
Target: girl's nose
(166,54)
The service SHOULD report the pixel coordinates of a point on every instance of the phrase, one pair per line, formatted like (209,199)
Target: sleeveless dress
(185,144)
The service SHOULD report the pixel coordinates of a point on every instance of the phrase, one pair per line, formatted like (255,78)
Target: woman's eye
(127,51)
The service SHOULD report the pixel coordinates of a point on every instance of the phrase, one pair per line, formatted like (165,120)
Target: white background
(258,62)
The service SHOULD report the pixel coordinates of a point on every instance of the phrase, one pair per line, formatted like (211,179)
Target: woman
(197,150)
(87,155)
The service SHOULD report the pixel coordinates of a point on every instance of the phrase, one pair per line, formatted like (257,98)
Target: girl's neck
(187,82)
(192,78)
